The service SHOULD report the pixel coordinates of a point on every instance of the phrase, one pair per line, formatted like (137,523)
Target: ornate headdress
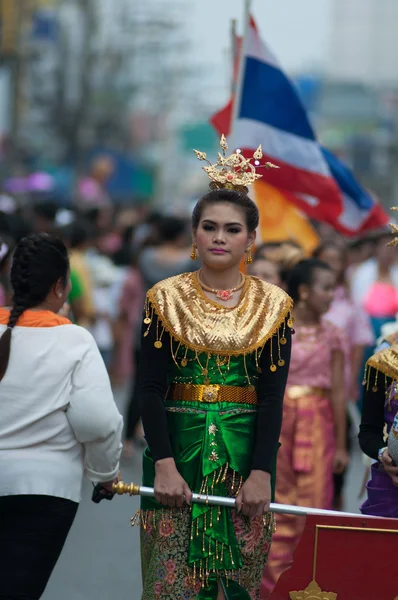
(233,172)
(394,231)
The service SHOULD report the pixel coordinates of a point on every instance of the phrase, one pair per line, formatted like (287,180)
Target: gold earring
(249,258)
(193,254)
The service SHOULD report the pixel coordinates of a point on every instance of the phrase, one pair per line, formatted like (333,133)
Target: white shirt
(58,418)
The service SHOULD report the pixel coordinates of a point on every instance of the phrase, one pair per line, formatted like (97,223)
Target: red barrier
(343,558)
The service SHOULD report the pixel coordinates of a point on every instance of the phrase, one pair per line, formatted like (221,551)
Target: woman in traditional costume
(313,438)
(380,417)
(215,356)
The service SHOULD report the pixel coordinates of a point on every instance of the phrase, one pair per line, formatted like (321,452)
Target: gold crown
(394,231)
(233,172)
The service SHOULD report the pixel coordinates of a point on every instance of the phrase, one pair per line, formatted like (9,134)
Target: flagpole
(242,64)
(234,52)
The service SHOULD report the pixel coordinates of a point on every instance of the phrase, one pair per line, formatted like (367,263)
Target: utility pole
(234,53)
(242,64)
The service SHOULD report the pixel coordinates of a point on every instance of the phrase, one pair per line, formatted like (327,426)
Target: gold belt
(299,391)
(212,393)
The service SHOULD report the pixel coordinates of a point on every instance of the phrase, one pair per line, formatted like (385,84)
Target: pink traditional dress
(305,459)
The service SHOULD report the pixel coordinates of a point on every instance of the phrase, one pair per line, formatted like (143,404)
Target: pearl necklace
(223,295)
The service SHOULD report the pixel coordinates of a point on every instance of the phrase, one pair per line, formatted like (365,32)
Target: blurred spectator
(358,251)
(265,269)
(100,218)
(122,256)
(14,226)
(130,307)
(77,237)
(44,215)
(146,233)
(168,255)
(91,190)
(104,276)
(268,249)
(374,285)
(274,260)
(345,315)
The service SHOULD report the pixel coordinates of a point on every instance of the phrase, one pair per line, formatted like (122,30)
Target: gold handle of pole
(122,488)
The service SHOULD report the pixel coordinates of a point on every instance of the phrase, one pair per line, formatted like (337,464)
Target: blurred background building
(81,77)
(140,80)
(364,44)
(354,99)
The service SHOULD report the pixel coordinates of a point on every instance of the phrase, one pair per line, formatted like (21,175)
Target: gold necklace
(223,295)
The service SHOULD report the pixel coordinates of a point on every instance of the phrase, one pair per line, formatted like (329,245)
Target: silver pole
(302,511)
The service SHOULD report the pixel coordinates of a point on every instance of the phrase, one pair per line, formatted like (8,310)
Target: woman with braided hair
(58,419)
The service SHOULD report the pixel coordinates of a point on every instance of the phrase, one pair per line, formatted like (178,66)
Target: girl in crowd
(313,435)
(215,355)
(58,419)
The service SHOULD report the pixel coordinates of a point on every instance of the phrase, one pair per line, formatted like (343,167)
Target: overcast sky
(297,31)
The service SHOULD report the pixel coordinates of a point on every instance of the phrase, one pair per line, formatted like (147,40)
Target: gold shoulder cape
(200,324)
(386,362)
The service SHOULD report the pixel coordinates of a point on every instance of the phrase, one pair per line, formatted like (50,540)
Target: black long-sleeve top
(270,391)
(371,431)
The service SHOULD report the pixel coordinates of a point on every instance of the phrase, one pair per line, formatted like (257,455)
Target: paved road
(101,557)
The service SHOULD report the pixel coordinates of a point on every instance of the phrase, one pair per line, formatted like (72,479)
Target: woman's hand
(340,461)
(170,488)
(389,468)
(254,498)
(108,485)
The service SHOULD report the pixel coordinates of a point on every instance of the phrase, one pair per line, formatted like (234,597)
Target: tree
(105,60)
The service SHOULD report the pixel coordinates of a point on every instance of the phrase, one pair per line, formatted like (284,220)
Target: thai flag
(269,111)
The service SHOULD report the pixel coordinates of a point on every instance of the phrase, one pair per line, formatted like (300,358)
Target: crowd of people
(117,254)
(344,295)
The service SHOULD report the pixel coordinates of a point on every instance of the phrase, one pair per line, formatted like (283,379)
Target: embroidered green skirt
(187,552)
